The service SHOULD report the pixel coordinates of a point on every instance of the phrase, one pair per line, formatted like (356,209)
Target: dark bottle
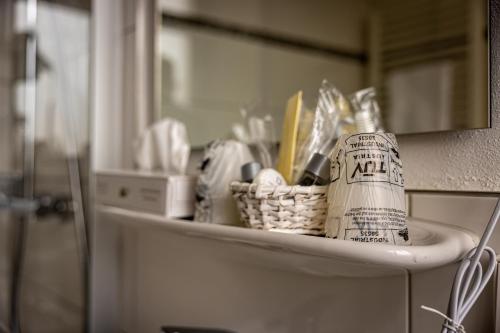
(317,171)
(249,171)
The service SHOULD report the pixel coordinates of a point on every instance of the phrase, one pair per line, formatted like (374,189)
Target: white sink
(434,245)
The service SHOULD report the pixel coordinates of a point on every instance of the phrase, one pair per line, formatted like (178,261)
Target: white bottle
(366,111)
(270,177)
(220,166)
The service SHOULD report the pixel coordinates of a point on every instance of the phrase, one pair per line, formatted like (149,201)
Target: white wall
(123,82)
(453,161)
(107,88)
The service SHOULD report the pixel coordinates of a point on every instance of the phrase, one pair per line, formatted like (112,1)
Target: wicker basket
(290,209)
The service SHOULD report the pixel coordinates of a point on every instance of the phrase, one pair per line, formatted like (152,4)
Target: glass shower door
(44,151)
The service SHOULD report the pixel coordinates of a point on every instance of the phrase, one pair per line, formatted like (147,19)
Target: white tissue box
(156,193)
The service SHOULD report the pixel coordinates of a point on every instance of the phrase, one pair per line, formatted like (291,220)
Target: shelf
(434,245)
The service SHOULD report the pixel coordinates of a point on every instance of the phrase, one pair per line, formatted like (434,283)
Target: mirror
(426,59)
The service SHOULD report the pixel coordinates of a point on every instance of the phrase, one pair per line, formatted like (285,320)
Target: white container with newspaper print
(366,200)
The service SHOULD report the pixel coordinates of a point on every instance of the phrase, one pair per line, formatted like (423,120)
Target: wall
(107,90)
(123,89)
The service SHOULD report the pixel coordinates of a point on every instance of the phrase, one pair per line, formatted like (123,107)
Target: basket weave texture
(291,209)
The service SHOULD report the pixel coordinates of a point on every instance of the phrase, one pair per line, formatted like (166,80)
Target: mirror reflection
(427,60)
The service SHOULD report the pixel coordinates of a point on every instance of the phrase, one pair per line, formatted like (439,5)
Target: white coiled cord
(469,280)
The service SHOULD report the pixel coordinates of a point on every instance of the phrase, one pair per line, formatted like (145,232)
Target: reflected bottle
(366,111)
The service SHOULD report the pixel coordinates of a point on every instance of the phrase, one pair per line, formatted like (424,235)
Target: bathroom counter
(434,245)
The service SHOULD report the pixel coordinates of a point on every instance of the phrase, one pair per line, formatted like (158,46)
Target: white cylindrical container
(366,199)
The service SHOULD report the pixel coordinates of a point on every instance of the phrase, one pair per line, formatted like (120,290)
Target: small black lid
(319,165)
(249,171)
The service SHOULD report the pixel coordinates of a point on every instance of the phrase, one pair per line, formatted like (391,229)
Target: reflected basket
(290,209)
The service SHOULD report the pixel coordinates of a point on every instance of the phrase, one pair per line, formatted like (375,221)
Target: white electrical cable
(469,280)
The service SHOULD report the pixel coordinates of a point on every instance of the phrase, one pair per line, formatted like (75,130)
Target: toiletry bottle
(269,176)
(367,112)
(249,171)
(221,165)
(317,171)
